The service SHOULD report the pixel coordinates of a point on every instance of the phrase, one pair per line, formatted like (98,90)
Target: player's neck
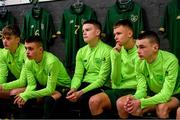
(13,50)
(130,44)
(39,57)
(94,43)
(152,58)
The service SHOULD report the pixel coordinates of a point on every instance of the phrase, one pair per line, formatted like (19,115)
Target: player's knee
(94,102)
(162,110)
(178,111)
(120,103)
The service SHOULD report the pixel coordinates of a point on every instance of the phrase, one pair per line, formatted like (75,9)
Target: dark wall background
(154,9)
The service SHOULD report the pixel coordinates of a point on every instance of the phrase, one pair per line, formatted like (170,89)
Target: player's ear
(130,33)
(155,47)
(98,32)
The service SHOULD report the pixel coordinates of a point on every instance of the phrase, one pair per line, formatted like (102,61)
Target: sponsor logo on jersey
(42,26)
(32,26)
(71,21)
(83,20)
(134,18)
(178,17)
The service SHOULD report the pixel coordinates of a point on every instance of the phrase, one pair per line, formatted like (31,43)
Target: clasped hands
(73,95)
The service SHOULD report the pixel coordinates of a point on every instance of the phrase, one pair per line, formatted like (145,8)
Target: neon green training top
(92,66)
(160,77)
(123,68)
(11,62)
(49,73)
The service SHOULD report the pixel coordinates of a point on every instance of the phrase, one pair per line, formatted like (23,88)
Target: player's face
(122,35)
(33,50)
(10,41)
(90,33)
(145,49)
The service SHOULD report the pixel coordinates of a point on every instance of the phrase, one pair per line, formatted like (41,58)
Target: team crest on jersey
(178,17)
(42,26)
(134,18)
(71,21)
(83,20)
(32,26)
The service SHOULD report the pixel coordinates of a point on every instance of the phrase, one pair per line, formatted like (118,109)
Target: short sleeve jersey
(71,31)
(40,23)
(114,14)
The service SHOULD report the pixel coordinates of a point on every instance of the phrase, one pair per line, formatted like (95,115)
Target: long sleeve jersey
(123,68)
(160,77)
(92,66)
(71,31)
(39,23)
(49,73)
(170,26)
(114,14)
(11,63)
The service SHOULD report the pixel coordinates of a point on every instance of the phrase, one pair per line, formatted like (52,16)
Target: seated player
(47,79)
(92,69)
(156,73)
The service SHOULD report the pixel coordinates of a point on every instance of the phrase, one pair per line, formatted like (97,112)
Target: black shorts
(114,94)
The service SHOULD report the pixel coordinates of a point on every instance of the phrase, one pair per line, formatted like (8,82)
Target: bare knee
(178,114)
(162,111)
(94,102)
(120,103)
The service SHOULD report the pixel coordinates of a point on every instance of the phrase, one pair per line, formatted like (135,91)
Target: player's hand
(117,47)
(19,101)
(132,105)
(74,96)
(56,95)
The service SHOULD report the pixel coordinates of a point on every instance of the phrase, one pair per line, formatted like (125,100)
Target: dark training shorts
(114,94)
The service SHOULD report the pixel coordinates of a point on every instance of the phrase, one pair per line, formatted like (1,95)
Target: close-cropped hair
(95,23)
(34,39)
(125,22)
(151,36)
(11,30)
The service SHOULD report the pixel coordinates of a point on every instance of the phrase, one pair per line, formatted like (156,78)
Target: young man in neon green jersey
(123,59)
(12,59)
(156,73)
(46,78)
(92,68)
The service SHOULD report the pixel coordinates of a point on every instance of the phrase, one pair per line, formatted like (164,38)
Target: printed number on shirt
(77,28)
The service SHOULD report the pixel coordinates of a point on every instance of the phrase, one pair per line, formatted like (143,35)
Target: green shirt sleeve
(141,91)
(21,82)
(3,70)
(168,87)
(115,61)
(79,72)
(48,90)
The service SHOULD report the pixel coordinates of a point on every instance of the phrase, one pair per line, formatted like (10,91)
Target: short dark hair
(11,30)
(151,36)
(34,39)
(94,22)
(124,22)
